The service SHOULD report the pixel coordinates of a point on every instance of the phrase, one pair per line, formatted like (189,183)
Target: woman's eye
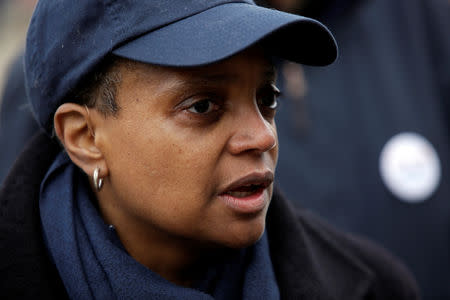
(203,107)
(269,97)
(269,101)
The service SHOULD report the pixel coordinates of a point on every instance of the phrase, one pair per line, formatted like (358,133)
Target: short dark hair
(98,90)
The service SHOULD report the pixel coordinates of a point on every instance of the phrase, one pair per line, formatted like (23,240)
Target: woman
(165,112)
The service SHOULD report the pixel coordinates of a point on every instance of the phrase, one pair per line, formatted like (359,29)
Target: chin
(243,235)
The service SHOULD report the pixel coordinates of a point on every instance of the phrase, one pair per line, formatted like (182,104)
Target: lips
(248,194)
(250,183)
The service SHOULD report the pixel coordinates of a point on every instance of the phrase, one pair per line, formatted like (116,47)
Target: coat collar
(308,259)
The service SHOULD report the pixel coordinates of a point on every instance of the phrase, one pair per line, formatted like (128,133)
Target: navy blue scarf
(93,264)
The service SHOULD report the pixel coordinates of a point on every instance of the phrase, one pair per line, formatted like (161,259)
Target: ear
(73,126)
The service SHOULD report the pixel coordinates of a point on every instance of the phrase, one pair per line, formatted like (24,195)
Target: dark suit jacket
(310,259)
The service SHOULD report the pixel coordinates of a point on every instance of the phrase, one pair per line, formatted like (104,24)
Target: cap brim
(222,31)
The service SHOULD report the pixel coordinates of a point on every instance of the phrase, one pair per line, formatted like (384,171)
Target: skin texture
(180,138)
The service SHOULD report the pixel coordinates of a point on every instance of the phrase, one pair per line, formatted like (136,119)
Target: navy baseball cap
(67,39)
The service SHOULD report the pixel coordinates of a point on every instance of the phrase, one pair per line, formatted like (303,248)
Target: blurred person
(155,173)
(17,124)
(373,156)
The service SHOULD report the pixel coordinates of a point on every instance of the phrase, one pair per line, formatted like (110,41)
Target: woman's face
(192,152)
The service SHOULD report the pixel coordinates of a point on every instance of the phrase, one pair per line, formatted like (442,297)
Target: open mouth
(246,191)
(249,185)
(247,195)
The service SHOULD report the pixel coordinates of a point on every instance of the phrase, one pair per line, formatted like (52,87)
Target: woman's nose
(253,133)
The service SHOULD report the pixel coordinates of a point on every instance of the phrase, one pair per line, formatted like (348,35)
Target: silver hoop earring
(98,182)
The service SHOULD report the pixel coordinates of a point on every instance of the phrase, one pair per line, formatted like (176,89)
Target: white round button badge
(410,167)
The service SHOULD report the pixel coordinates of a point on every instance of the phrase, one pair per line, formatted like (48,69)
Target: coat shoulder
(391,278)
(26,271)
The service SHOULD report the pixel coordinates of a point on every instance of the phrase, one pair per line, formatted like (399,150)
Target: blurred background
(365,143)
(16,122)
(14,19)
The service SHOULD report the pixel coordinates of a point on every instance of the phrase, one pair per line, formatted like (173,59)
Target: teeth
(240,194)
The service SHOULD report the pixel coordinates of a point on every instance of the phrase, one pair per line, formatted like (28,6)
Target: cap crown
(67,39)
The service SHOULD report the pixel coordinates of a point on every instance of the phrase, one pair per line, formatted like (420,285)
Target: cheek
(274,156)
(160,172)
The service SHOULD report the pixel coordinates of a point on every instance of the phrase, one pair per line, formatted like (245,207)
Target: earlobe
(74,128)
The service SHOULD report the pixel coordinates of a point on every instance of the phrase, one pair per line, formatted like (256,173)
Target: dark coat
(310,259)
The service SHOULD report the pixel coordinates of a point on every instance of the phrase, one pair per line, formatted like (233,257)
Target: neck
(178,260)
(174,260)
